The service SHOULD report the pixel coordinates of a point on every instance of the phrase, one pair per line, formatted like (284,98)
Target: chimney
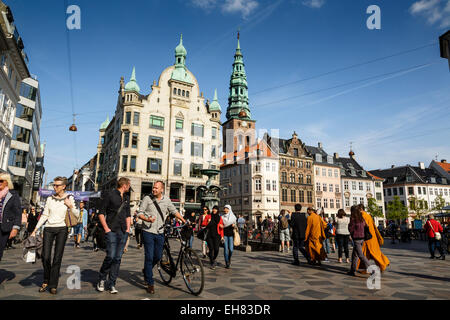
(320,145)
(336,155)
(392,167)
(422,165)
(444,161)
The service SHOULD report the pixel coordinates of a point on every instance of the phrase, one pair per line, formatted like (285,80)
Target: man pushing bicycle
(153,211)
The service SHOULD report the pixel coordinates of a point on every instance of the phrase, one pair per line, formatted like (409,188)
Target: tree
(439,203)
(396,210)
(418,207)
(374,209)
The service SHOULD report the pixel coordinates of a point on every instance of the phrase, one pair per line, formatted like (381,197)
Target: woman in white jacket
(229,221)
(55,230)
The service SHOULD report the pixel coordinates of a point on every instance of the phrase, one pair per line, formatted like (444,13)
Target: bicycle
(188,262)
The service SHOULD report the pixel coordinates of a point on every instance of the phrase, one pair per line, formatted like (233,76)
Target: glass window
(318,186)
(124,163)
(214,152)
(274,185)
(126,139)
(156,122)
(133,164)
(353,185)
(324,187)
(268,185)
(21,134)
(128,117)
(300,178)
(330,188)
(346,185)
(400,191)
(338,204)
(155,143)
(330,172)
(177,167)
(324,172)
(154,165)
(309,197)
(301,197)
(325,203)
(361,186)
(214,132)
(18,158)
(308,181)
(293,196)
(295,152)
(136,118)
(283,176)
(292,178)
(195,170)
(134,140)
(28,91)
(179,124)
(24,112)
(197,130)
(178,145)
(196,149)
(336,175)
(410,190)
(336,187)
(284,195)
(258,184)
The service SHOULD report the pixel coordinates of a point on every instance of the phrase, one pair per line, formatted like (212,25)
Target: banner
(78,195)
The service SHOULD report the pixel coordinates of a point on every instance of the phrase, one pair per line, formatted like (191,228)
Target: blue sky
(396,118)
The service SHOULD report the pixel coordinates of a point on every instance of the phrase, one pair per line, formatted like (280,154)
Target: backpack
(331,230)
(284,223)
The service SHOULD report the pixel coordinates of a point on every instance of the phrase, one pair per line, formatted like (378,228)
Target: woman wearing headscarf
(10,211)
(214,235)
(229,221)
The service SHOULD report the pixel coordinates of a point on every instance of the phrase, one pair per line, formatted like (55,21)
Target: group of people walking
(308,237)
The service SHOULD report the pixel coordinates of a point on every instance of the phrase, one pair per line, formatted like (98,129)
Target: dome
(180,50)
(215,106)
(105,124)
(132,84)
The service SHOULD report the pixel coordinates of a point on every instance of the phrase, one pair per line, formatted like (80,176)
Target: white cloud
(204,4)
(435,11)
(314,3)
(245,7)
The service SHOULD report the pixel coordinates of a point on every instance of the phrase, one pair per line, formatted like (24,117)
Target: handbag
(437,235)
(367,234)
(236,238)
(202,234)
(71,219)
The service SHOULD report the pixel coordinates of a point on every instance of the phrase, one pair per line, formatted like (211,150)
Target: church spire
(238,97)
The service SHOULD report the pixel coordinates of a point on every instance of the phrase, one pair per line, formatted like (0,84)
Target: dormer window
(174,90)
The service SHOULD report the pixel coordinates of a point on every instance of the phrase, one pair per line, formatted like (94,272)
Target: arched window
(179,92)
(174,90)
(182,93)
(187,94)
(179,60)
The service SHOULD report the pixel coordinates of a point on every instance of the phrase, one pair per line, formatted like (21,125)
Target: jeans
(357,252)
(115,243)
(228,248)
(342,242)
(299,244)
(153,246)
(326,243)
(434,244)
(51,269)
(191,241)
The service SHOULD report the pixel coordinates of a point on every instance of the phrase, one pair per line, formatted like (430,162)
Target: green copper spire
(180,72)
(105,124)
(132,84)
(238,97)
(215,106)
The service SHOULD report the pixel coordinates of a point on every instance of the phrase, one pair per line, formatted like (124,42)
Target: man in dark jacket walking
(298,224)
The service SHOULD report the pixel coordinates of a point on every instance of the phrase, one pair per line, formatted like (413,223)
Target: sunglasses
(1,181)
(57,185)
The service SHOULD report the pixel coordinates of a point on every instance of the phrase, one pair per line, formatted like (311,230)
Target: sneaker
(441,257)
(101,285)
(95,249)
(351,273)
(113,290)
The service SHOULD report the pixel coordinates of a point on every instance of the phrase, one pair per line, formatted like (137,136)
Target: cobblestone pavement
(253,276)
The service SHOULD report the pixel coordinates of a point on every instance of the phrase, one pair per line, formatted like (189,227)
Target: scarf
(3,193)
(229,218)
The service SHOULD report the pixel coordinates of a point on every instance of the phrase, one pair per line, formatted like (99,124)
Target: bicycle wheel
(192,271)
(164,268)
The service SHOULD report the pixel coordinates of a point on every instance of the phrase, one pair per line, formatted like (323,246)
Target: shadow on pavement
(424,276)
(6,275)
(90,276)
(35,278)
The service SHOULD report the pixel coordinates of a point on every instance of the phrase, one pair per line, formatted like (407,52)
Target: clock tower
(239,128)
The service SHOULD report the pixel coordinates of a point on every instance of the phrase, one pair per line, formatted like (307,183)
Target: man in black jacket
(298,224)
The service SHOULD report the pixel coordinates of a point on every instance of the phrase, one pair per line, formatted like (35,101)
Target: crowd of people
(111,225)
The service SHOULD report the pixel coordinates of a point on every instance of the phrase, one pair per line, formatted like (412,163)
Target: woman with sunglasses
(10,211)
(55,230)
(203,221)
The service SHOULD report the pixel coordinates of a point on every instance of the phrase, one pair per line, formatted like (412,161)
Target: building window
(134,140)
(17,158)
(284,195)
(21,134)
(361,186)
(324,172)
(368,188)
(353,185)
(301,196)
(214,133)
(295,152)
(336,188)
(156,122)
(197,130)
(336,175)
(330,188)
(268,185)
(300,178)
(196,149)
(324,187)
(283,176)
(345,185)
(330,172)
(318,186)
(178,145)
(258,184)
(155,143)
(128,117)
(195,170)
(126,139)
(308,166)
(292,178)
(274,185)
(389,192)
(124,163)
(24,113)
(136,119)
(338,204)
(174,90)
(347,202)
(355,201)
(27,91)
(292,163)
(411,190)
(377,184)
(400,191)
(154,165)
(378,196)
(177,166)
(246,186)
(283,161)
(293,196)
(424,190)
(361,200)
(179,124)
(319,203)
(325,203)
(309,196)
(394,190)
(133,164)
(258,167)
(308,180)
(267,166)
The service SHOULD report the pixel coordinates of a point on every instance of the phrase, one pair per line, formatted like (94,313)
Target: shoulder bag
(159,211)
(367,234)
(437,235)
(71,219)
(237,237)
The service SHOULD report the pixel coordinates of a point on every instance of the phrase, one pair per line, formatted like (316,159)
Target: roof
(409,174)
(249,152)
(314,151)
(215,106)
(444,165)
(132,84)
(374,176)
(350,168)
